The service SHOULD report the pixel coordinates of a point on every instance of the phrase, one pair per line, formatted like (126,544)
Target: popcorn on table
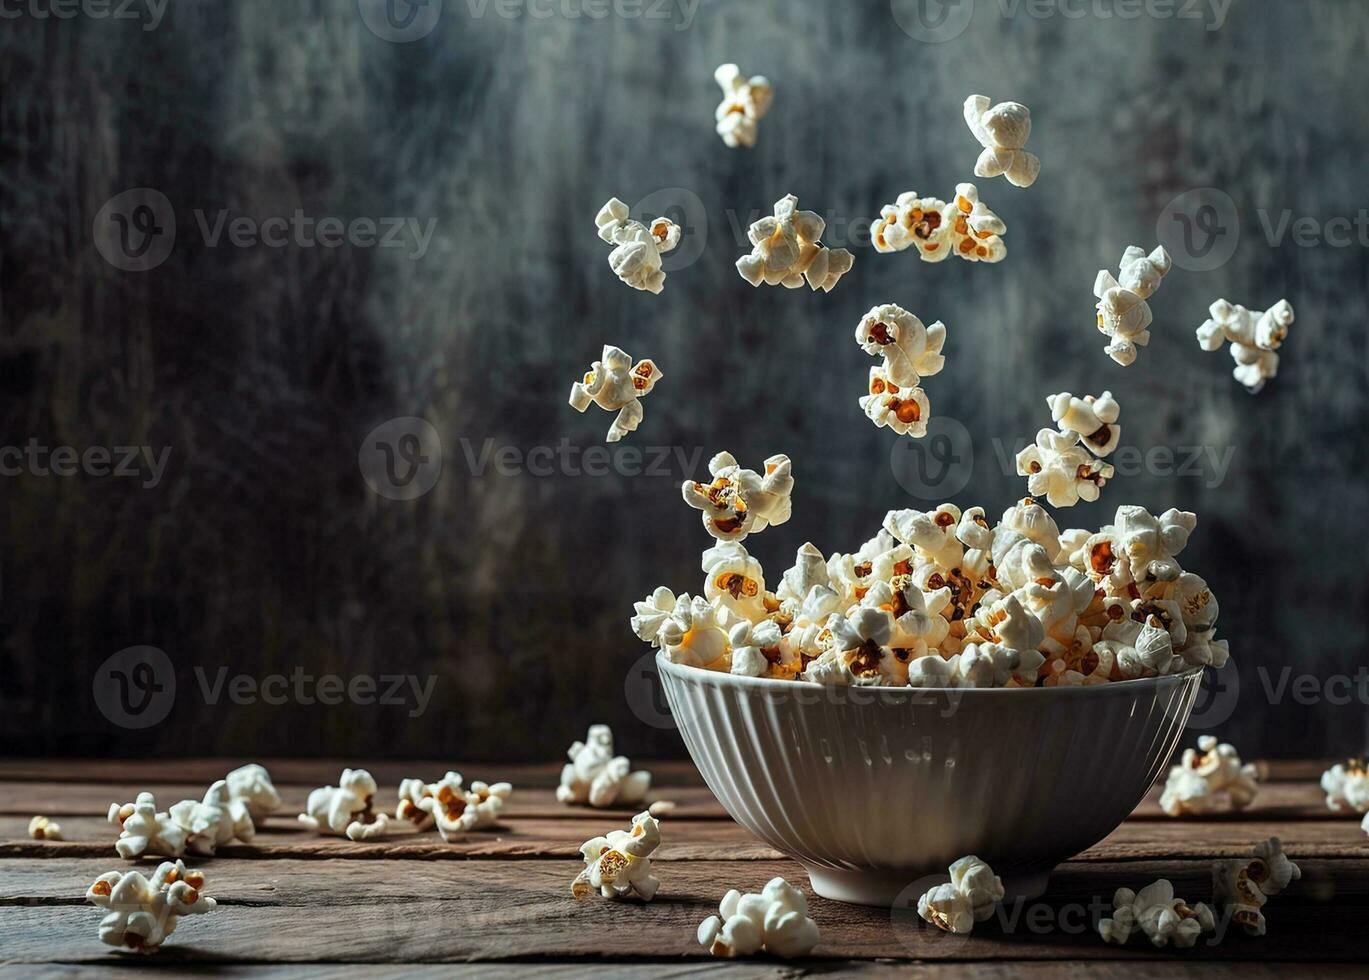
(599,778)
(142,913)
(969,897)
(1241,887)
(636,257)
(966,227)
(943,599)
(1254,337)
(616,384)
(786,250)
(251,785)
(45,828)
(619,866)
(740,501)
(1123,311)
(215,820)
(1196,784)
(776,921)
(1346,786)
(346,809)
(1002,130)
(745,102)
(1155,912)
(456,808)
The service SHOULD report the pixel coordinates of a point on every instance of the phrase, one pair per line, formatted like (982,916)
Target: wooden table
(292,903)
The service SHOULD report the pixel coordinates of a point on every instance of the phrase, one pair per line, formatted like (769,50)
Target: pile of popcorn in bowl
(937,598)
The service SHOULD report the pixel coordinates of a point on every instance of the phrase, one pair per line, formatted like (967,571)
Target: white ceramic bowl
(873,789)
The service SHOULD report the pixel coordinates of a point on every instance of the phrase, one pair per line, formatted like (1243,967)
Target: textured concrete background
(261,549)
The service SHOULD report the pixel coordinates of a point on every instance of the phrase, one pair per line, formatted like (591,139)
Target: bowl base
(885,889)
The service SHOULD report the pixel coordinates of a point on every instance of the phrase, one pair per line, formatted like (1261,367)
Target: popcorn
(615,384)
(636,257)
(1346,786)
(913,220)
(906,411)
(858,653)
(1193,785)
(776,920)
(976,232)
(969,897)
(412,792)
(696,632)
(142,830)
(345,809)
(1155,912)
(1123,313)
(740,501)
(457,809)
(251,785)
(745,102)
(619,865)
(735,579)
(786,251)
(910,350)
(596,776)
(1092,419)
(45,828)
(1242,887)
(1058,468)
(651,613)
(142,913)
(756,646)
(1003,132)
(1254,339)
(216,820)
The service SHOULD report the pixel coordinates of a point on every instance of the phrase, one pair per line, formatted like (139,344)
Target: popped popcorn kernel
(618,866)
(45,828)
(1123,313)
(1196,784)
(775,921)
(1255,337)
(616,384)
(740,501)
(1002,131)
(969,897)
(1346,786)
(636,257)
(141,913)
(1156,912)
(346,810)
(1242,887)
(745,102)
(786,251)
(597,777)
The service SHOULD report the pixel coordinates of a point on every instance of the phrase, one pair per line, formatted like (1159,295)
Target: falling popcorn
(1194,786)
(619,866)
(909,350)
(787,252)
(1002,131)
(1346,786)
(636,257)
(44,828)
(615,384)
(1254,339)
(346,809)
(596,776)
(141,913)
(1241,887)
(776,921)
(740,501)
(1155,912)
(965,227)
(1058,468)
(745,102)
(251,785)
(1092,418)
(905,410)
(1123,313)
(969,897)
(458,809)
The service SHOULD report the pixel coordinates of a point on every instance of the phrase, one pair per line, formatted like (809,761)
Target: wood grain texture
(261,550)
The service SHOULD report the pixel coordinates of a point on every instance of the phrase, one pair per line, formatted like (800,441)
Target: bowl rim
(688,672)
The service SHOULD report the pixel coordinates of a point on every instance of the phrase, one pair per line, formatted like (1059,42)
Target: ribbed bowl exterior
(896,783)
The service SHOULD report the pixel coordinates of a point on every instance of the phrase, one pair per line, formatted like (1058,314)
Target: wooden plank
(327,911)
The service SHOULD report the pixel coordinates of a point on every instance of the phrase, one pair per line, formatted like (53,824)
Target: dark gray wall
(261,548)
